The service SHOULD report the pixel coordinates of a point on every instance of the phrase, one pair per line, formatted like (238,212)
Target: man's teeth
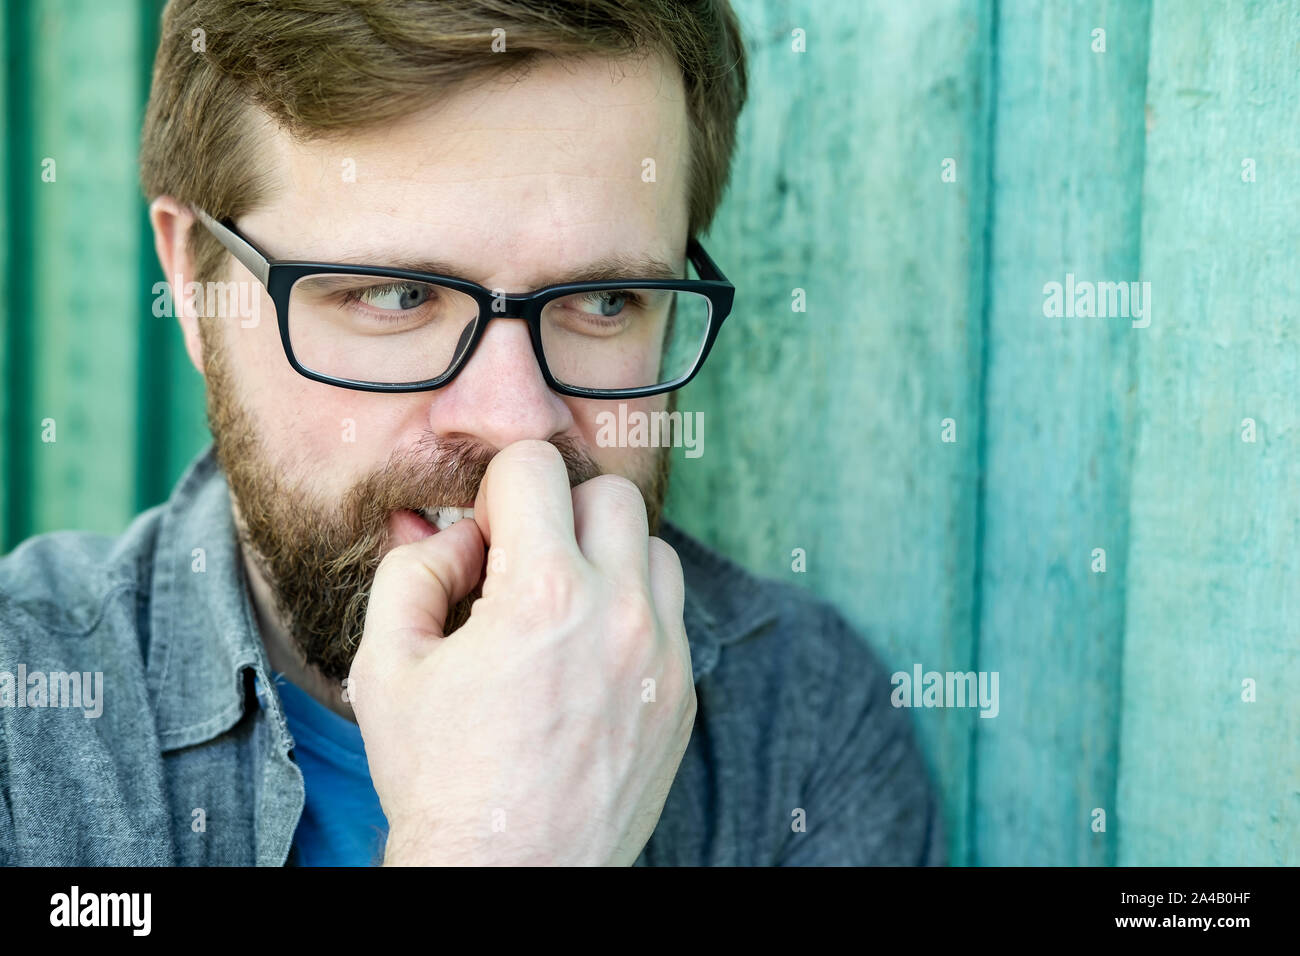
(444,518)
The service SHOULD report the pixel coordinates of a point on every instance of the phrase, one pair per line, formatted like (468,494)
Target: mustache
(440,472)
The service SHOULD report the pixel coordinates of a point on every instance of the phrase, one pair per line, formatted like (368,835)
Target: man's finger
(524,505)
(667,584)
(609,521)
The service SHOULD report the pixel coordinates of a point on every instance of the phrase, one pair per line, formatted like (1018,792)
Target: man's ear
(171,222)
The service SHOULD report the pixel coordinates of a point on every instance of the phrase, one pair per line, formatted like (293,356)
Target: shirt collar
(203,626)
(724,603)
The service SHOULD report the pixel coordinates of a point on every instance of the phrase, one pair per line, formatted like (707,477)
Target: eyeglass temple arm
(704,265)
(239,247)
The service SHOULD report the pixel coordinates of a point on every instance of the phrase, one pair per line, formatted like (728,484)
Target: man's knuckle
(665,551)
(621,491)
(554,584)
(633,625)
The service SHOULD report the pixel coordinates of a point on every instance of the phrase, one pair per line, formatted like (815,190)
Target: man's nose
(499,397)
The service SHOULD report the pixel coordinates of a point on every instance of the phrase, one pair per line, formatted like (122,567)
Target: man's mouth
(409,525)
(443,518)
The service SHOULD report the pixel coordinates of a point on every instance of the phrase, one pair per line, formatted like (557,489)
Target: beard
(319,555)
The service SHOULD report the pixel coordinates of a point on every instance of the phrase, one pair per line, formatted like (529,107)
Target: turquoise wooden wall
(1172,157)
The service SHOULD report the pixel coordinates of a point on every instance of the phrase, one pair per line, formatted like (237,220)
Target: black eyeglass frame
(279,275)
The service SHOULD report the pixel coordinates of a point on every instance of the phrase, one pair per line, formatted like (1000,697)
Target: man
(409,608)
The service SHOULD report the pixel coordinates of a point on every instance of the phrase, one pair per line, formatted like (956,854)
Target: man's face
(513,182)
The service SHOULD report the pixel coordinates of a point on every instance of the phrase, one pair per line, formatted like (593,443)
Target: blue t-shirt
(342,823)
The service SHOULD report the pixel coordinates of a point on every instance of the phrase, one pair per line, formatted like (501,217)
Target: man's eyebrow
(611,268)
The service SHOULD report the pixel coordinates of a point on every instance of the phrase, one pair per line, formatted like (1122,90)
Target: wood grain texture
(823,427)
(83,305)
(1206,777)
(1058,405)
(8,249)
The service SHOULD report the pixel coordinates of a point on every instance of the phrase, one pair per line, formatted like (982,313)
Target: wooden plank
(19,165)
(6,273)
(823,427)
(1068,160)
(86,254)
(1205,777)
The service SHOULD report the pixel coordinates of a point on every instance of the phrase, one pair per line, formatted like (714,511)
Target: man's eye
(607,303)
(393,297)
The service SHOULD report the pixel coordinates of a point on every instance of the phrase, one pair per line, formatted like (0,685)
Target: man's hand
(533,734)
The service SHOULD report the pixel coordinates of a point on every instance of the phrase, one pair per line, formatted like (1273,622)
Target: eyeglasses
(394,330)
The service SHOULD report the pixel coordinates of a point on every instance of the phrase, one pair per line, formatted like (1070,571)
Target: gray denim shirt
(183,757)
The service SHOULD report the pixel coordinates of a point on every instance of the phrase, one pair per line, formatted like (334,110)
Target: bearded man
(406,609)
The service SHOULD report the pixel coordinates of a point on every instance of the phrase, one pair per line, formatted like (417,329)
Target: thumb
(416,585)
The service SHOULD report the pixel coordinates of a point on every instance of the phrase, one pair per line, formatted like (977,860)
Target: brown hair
(321,68)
